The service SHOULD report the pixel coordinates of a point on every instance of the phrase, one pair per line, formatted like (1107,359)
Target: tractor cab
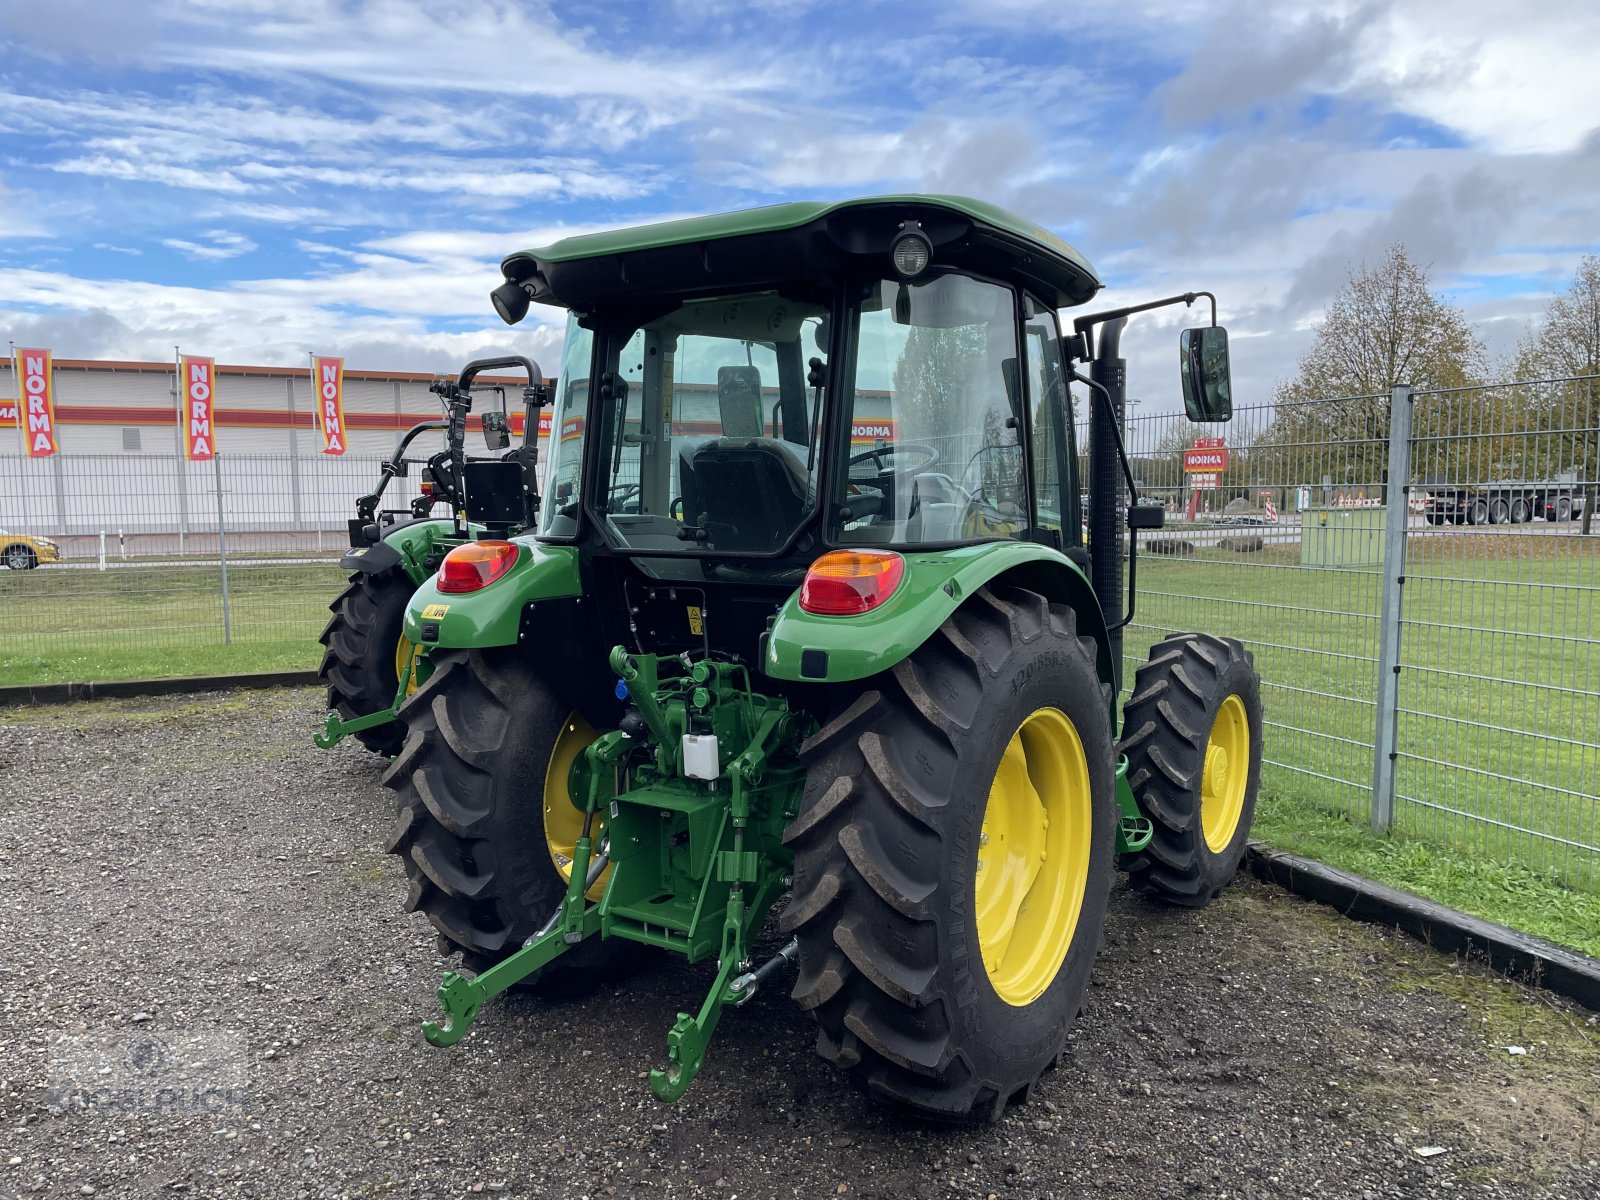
(741,395)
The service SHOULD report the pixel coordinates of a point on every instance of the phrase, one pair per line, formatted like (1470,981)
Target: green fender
(406,546)
(493,615)
(818,649)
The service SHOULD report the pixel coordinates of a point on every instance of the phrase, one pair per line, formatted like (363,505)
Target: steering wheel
(620,494)
(925,457)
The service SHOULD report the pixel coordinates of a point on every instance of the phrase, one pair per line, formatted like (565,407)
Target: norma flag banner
(36,388)
(8,413)
(199,409)
(329,376)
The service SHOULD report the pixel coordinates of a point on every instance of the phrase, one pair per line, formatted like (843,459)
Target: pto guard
(810,648)
(492,615)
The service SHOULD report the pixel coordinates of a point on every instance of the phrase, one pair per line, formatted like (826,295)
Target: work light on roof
(510,301)
(912,251)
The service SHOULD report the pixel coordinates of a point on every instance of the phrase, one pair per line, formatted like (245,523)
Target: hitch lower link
(335,729)
(575,920)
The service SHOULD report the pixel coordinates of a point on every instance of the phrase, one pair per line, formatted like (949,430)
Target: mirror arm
(1082,325)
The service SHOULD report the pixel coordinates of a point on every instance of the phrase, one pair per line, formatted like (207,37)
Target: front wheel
(1192,734)
(953,860)
(21,558)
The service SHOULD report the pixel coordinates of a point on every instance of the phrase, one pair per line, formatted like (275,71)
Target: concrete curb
(1526,958)
(65,693)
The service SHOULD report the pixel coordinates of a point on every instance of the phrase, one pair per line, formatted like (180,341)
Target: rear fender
(492,616)
(808,648)
(407,547)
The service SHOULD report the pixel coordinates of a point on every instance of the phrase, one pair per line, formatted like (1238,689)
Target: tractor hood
(800,240)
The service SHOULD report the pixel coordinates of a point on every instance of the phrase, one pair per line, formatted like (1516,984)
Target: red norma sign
(1206,459)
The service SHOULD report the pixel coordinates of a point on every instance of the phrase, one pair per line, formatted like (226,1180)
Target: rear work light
(843,583)
(476,565)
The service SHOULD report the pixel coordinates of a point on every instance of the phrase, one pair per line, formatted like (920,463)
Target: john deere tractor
(808,624)
(368,665)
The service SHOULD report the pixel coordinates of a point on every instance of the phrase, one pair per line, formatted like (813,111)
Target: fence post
(1397,512)
(222,554)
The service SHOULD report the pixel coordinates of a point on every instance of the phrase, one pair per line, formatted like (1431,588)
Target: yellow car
(21,552)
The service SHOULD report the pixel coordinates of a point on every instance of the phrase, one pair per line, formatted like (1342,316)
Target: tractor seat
(747,493)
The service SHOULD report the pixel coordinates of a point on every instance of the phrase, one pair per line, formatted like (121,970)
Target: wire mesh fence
(1437,541)
(155,565)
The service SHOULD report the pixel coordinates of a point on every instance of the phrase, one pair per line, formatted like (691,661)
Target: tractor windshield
(935,414)
(705,427)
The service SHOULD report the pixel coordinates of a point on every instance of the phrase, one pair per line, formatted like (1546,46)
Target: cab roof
(806,240)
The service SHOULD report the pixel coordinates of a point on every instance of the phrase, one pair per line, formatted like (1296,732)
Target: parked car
(23,552)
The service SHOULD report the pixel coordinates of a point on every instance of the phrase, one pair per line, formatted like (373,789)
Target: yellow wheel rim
(1033,857)
(405,651)
(1226,775)
(563,823)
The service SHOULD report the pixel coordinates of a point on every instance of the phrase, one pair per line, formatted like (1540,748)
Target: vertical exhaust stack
(1110,371)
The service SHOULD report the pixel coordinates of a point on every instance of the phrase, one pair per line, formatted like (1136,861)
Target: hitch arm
(573,921)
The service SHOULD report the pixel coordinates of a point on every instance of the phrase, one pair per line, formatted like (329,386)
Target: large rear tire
(363,640)
(1192,734)
(470,782)
(953,860)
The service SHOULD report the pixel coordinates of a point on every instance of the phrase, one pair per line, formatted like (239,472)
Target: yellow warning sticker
(697,625)
(434,611)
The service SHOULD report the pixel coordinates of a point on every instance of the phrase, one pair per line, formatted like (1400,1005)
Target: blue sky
(253,179)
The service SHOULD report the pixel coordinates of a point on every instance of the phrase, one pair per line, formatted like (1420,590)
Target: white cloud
(219,245)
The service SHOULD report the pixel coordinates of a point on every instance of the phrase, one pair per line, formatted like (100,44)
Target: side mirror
(496,431)
(1207,382)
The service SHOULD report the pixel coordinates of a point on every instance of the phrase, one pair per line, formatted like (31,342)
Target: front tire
(361,663)
(1192,734)
(21,558)
(987,750)
(469,783)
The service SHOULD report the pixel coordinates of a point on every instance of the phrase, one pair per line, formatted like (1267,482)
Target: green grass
(1497,891)
(146,622)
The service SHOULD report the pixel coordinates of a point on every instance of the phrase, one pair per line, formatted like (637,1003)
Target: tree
(1385,327)
(1564,353)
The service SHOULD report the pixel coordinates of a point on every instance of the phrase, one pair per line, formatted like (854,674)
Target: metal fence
(1414,573)
(1412,570)
(172,567)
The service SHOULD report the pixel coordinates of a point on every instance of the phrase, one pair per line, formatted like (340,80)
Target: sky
(256,179)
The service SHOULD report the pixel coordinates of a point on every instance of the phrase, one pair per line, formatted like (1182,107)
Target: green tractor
(808,620)
(368,664)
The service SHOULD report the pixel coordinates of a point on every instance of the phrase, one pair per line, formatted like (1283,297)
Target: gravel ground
(208,987)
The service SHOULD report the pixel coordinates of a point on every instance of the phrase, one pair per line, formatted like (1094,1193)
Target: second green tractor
(813,621)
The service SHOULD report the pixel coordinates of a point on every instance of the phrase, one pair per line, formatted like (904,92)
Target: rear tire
(469,784)
(1499,512)
(1186,697)
(1478,514)
(358,665)
(886,894)
(1521,511)
(1563,509)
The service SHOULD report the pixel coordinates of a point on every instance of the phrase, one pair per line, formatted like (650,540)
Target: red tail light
(476,565)
(426,487)
(843,583)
